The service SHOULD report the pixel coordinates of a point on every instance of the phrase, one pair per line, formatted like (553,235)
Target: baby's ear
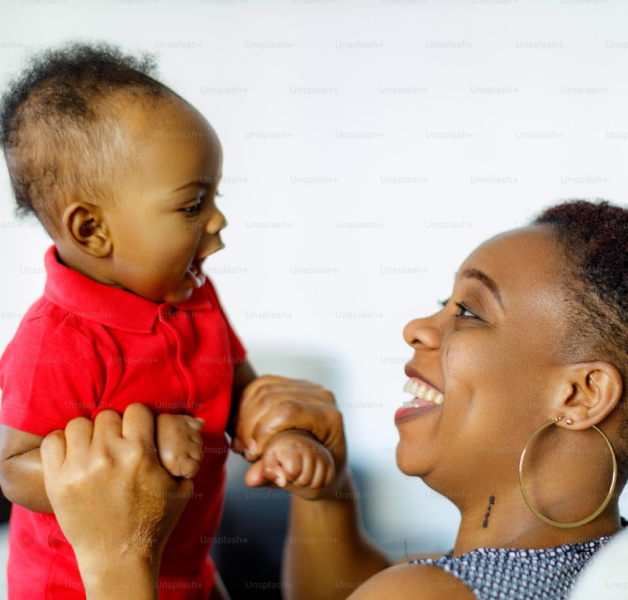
(83,224)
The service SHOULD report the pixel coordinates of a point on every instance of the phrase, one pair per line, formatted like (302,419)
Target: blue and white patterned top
(518,574)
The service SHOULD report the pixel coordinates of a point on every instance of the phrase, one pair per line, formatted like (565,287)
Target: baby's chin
(178,296)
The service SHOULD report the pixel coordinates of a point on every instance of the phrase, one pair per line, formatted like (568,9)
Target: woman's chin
(411,460)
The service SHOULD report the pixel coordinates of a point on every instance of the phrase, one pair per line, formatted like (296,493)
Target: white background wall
(532,92)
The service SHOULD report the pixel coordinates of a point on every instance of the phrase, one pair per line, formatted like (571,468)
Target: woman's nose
(422,331)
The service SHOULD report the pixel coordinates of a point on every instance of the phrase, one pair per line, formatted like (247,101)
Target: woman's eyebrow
(487,281)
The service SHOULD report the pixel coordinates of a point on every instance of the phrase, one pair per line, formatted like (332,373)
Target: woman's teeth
(420,390)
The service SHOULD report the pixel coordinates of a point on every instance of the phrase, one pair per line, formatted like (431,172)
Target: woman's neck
(508,522)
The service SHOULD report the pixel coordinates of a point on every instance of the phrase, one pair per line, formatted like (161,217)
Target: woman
(528,353)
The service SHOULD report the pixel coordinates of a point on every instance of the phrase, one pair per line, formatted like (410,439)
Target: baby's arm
(295,457)
(179,444)
(243,374)
(21,474)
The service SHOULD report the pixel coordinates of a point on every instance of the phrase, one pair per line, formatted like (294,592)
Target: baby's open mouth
(197,275)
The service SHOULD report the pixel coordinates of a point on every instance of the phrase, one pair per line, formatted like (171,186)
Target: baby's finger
(254,477)
(308,466)
(196,453)
(194,422)
(189,468)
(321,477)
(196,438)
(330,473)
(273,471)
(297,465)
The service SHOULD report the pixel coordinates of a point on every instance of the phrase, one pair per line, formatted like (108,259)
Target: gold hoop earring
(590,517)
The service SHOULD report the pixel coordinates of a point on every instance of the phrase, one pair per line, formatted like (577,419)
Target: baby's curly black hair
(58,124)
(594,240)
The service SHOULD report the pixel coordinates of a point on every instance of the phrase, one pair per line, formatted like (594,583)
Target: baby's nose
(216,223)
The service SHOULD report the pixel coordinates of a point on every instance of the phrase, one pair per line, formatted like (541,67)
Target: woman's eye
(464,309)
(193,210)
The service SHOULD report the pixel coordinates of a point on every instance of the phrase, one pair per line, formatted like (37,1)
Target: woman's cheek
(460,362)
(466,370)
(465,358)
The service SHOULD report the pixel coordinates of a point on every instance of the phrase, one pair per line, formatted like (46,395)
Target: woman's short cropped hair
(593,236)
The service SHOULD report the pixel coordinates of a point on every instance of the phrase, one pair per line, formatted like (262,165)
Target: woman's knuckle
(164,418)
(287,408)
(328,396)
(101,463)
(267,396)
(335,416)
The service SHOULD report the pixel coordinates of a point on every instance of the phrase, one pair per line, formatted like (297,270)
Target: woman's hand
(326,542)
(272,404)
(113,500)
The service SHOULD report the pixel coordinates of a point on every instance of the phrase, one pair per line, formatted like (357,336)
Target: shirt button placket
(165,312)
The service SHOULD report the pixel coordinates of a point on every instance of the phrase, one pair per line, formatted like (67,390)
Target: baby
(122,173)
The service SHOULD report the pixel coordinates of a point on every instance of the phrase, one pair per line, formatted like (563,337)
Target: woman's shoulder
(423,576)
(414,582)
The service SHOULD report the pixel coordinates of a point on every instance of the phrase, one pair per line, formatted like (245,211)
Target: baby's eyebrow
(191,184)
(199,183)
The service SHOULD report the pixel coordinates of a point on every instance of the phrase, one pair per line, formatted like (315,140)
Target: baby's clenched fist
(296,459)
(179,444)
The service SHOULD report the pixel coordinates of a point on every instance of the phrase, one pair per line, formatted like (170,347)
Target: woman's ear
(83,224)
(592,391)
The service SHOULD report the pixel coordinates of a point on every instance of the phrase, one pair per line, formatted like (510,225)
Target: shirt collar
(105,304)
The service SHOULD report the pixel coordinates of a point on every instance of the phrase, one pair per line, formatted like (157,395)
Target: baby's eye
(193,210)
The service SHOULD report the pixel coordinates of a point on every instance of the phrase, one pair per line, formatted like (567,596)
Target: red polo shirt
(84,347)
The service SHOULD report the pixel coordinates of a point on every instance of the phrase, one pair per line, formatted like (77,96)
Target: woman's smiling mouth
(425,398)
(423,393)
